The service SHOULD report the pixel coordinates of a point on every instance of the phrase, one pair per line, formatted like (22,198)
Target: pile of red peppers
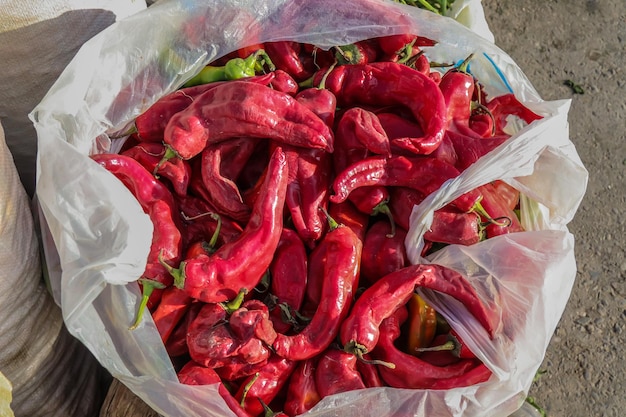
(281,201)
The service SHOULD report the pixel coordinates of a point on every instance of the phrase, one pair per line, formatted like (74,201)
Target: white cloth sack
(98,236)
(37,40)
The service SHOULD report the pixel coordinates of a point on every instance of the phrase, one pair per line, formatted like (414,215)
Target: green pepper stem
(169,154)
(448,346)
(236,302)
(502,221)
(246,389)
(383,208)
(332,223)
(177,273)
(148,286)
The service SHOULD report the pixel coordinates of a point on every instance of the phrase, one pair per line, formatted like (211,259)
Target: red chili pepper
(410,371)
(389,84)
(172,307)
(453,227)
(241,263)
(176,344)
(506,105)
(401,203)
(369,372)
(470,149)
(288,279)
(341,249)
(286,56)
(307,191)
(265,385)
(321,101)
(345,213)
(222,190)
(425,174)
(176,171)
(252,319)
(439,357)
(508,193)
(237,367)
(478,374)
(457,87)
(500,218)
(239,108)
(360,331)
(302,394)
(196,374)
(156,201)
(150,125)
(397,45)
(284,83)
(383,251)
(337,372)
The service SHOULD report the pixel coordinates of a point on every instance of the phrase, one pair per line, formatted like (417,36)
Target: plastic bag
(94,247)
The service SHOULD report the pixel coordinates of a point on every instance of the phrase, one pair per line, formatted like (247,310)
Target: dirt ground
(585,42)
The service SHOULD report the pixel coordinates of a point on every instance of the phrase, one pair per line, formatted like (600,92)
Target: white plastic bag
(102,236)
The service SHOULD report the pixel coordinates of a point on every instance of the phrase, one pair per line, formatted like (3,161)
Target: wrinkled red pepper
(410,371)
(286,57)
(241,264)
(360,330)
(288,279)
(469,149)
(425,174)
(239,108)
(388,84)
(265,385)
(341,249)
(337,372)
(284,83)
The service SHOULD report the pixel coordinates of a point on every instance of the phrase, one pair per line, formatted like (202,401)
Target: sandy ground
(583,41)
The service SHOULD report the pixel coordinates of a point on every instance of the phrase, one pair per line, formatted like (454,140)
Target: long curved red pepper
(241,264)
(360,330)
(342,250)
(302,393)
(425,174)
(410,371)
(388,84)
(157,201)
(240,108)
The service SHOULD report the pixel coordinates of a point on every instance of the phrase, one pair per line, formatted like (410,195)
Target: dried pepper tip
(383,208)
(148,285)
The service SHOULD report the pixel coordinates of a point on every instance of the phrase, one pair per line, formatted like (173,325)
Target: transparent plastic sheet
(97,237)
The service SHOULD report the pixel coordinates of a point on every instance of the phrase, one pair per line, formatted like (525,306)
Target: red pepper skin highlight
(302,394)
(342,250)
(240,108)
(389,84)
(337,372)
(410,371)
(241,264)
(172,307)
(360,330)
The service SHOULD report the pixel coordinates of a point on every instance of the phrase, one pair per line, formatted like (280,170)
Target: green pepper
(234,69)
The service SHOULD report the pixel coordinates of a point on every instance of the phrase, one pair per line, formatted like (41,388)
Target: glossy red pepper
(470,149)
(410,371)
(454,227)
(401,203)
(302,394)
(425,174)
(369,372)
(457,87)
(341,250)
(500,218)
(176,171)
(176,344)
(156,201)
(345,213)
(172,307)
(383,251)
(265,384)
(252,319)
(288,279)
(337,372)
(150,125)
(284,83)
(286,56)
(223,191)
(360,330)
(503,106)
(239,108)
(242,263)
(391,84)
